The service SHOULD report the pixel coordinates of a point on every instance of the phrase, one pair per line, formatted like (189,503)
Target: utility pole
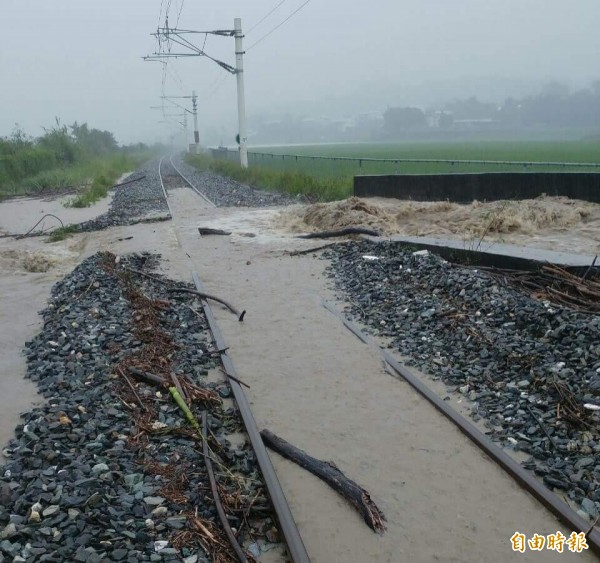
(195,111)
(167,36)
(241,99)
(185,129)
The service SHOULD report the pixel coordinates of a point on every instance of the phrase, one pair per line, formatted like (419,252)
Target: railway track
(172,178)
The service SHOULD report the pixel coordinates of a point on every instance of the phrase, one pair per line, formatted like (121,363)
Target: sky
(80,60)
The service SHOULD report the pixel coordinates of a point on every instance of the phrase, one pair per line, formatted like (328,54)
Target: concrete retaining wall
(489,186)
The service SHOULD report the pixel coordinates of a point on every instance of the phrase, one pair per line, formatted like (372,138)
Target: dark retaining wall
(488,186)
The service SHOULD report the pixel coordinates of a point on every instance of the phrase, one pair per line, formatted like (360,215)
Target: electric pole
(241,100)
(167,36)
(195,111)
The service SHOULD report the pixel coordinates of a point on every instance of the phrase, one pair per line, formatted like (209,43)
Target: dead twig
(310,250)
(213,485)
(211,297)
(122,373)
(543,428)
(235,379)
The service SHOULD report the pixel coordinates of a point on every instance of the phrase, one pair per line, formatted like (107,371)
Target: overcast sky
(82,60)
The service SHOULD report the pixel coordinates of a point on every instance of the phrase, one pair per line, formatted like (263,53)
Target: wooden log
(328,472)
(204,231)
(147,377)
(342,233)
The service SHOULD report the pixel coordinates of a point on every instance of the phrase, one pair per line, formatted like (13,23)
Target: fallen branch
(205,231)
(128,182)
(342,233)
(147,377)
(590,267)
(18,237)
(328,472)
(311,250)
(235,379)
(213,298)
(213,486)
(124,375)
(177,385)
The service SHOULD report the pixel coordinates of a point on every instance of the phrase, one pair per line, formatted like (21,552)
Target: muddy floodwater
(311,381)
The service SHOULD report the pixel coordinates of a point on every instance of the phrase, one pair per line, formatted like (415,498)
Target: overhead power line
(265,17)
(179,14)
(278,25)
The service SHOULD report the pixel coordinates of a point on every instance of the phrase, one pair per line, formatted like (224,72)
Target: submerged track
(291,535)
(294,542)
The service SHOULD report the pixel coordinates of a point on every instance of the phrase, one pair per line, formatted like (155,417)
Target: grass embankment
(105,173)
(287,181)
(65,157)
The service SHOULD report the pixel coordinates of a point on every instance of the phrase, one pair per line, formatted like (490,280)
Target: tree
(399,120)
(93,141)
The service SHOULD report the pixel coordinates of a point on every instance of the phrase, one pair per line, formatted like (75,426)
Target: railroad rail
(287,526)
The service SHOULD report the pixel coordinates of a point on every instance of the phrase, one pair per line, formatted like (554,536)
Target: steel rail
(551,501)
(163,187)
(190,184)
(296,549)
(295,546)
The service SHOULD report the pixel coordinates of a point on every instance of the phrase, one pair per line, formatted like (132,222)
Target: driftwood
(203,295)
(204,231)
(147,377)
(311,250)
(328,472)
(127,182)
(342,233)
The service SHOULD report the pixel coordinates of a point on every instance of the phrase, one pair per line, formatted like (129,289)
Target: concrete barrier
(488,186)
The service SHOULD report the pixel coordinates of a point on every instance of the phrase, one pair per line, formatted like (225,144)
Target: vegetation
(507,151)
(62,233)
(329,175)
(287,181)
(64,157)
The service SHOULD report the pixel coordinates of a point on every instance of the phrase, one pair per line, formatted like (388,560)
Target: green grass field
(530,151)
(330,177)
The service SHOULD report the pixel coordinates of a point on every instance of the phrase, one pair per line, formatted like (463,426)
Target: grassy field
(530,151)
(329,177)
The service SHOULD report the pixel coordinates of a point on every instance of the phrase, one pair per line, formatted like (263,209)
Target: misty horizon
(83,62)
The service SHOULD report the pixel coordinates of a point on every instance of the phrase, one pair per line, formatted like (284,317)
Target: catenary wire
(278,25)
(265,16)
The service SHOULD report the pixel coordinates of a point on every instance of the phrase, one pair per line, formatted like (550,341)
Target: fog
(82,60)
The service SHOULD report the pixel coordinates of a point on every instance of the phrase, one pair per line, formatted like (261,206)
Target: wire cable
(179,14)
(265,17)
(278,25)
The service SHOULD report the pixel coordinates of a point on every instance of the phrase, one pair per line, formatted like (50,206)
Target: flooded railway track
(172,178)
